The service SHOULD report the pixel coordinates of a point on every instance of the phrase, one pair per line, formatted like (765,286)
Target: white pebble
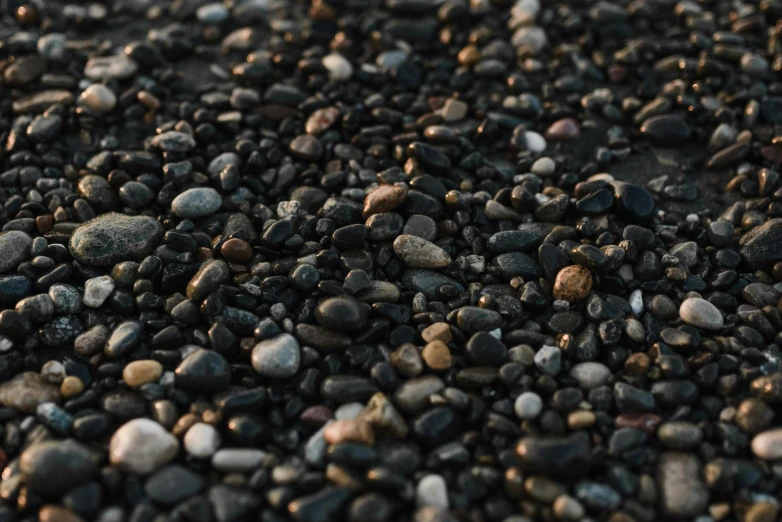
(338,66)
(637,302)
(535,142)
(98,98)
(141,446)
(528,405)
(201,440)
(238,460)
(432,491)
(97,290)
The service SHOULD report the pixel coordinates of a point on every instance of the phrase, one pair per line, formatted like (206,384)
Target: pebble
(97,290)
(432,491)
(338,66)
(138,373)
(766,445)
(55,467)
(26,391)
(701,313)
(528,405)
(277,358)
(15,246)
(573,283)
(417,252)
(99,98)
(196,202)
(141,446)
(111,238)
(682,490)
(201,440)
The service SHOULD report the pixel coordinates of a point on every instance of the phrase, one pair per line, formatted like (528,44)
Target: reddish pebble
(384,199)
(316,415)
(566,129)
(237,250)
(646,422)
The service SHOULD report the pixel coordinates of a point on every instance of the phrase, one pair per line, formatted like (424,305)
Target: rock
(590,375)
(173,484)
(15,246)
(555,456)
(321,120)
(209,277)
(762,246)
(196,202)
(28,390)
(384,198)
(139,373)
(201,440)
(326,505)
(431,491)
(666,130)
(528,405)
(141,446)
(420,253)
(701,313)
(338,66)
(682,490)
(111,238)
(635,203)
(118,67)
(573,283)
(549,360)
(52,468)
(384,417)
(203,371)
(342,314)
(99,98)
(277,358)
(97,290)
(768,444)
(349,430)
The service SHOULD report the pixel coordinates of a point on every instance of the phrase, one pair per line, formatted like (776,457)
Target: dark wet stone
(14,288)
(203,371)
(435,426)
(428,282)
(342,314)
(555,456)
(762,246)
(633,202)
(173,484)
(516,264)
(324,506)
(212,274)
(483,349)
(666,129)
(473,319)
(53,467)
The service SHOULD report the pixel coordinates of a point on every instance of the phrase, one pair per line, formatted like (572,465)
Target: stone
(342,314)
(99,98)
(528,405)
(201,440)
(353,430)
(565,457)
(52,467)
(277,358)
(701,313)
(173,484)
(682,490)
(762,246)
(437,356)
(111,238)
(209,277)
(573,283)
(417,252)
(197,202)
(431,491)
(590,375)
(15,246)
(203,371)
(768,444)
(338,66)
(97,290)
(138,373)
(141,446)
(26,391)
(384,198)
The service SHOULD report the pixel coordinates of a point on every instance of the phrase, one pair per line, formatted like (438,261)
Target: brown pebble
(44,223)
(580,419)
(638,364)
(355,430)
(762,512)
(573,283)
(646,422)
(469,55)
(407,360)
(384,199)
(437,332)
(437,356)
(57,514)
(316,415)
(139,373)
(185,422)
(71,386)
(566,129)
(237,250)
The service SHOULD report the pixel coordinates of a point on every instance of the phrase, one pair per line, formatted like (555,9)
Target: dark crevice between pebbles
(415,260)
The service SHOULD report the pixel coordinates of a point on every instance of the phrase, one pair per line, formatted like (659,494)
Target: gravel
(404,260)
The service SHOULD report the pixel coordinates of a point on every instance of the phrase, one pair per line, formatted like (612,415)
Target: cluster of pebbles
(367,261)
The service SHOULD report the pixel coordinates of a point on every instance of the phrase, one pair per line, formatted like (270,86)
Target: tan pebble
(383,416)
(437,332)
(469,55)
(573,283)
(343,477)
(139,373)
(355,430)
(638,364)
(580,419)
(186,422)
(57,514)
(71,386)
(437,356)
(384,199)
(762,512)
(407,360)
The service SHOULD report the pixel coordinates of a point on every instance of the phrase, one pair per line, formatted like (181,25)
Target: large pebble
(15,248)
(196,202)
(701,313)
(278,357)
(141,446)
(417,252)
(111,238)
